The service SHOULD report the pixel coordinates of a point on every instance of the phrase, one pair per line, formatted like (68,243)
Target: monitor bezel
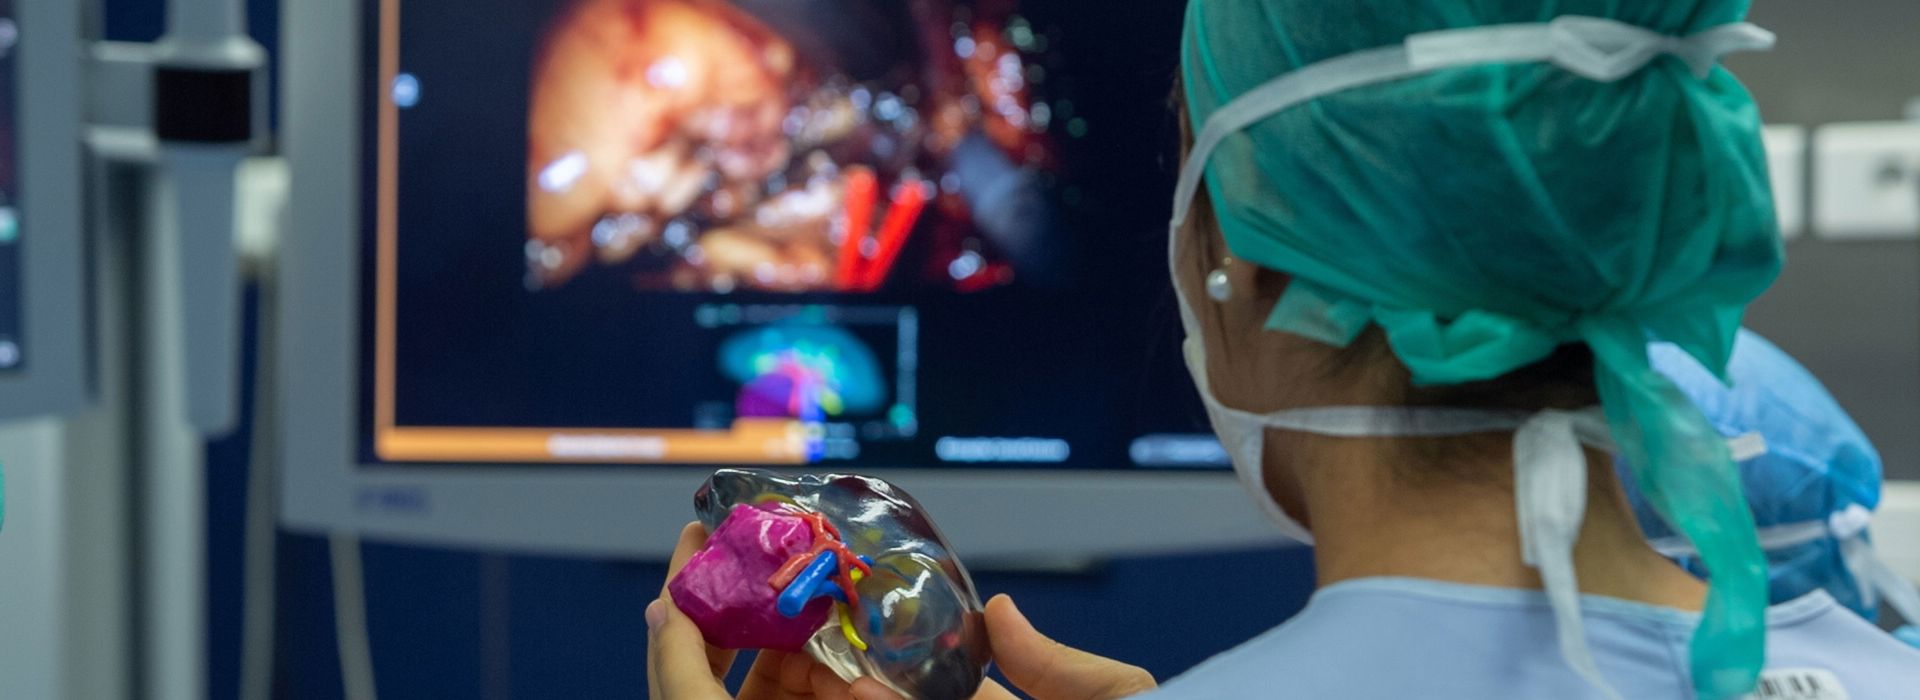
(55,321)
(1025,518)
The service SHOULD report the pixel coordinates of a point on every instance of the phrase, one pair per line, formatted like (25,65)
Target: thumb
(1049,670)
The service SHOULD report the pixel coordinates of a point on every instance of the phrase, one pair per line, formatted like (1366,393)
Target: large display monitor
(552,261)
(43,308)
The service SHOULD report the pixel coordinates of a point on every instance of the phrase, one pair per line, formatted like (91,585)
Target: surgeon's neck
(1369,520)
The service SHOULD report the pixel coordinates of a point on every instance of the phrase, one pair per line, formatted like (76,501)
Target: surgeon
(1810,475)
(1420,250)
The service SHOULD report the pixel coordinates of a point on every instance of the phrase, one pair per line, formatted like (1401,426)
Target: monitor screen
(860,233)
(12,355)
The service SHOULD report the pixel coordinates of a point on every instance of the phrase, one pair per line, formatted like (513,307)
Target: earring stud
(1219,286)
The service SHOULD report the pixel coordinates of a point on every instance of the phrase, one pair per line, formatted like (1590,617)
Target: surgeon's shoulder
(1815,637)
(1270,665)
(1309,656)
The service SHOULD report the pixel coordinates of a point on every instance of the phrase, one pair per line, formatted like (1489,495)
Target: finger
(796,673)
(827,686)
(654,617)
(992,690)
(676,657)
(767,678)
(870,689)
(693,538)
(1049,670)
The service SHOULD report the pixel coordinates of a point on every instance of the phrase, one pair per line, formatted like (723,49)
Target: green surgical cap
(1484,215)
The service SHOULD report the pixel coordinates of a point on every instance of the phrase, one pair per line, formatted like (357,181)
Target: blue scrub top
(1413,638)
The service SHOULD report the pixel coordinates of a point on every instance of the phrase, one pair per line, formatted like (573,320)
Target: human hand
(1045,669)
(681,666)
(1048,670)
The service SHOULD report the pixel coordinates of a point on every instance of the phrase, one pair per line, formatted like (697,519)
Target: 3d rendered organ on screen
(846,568)
(806,372)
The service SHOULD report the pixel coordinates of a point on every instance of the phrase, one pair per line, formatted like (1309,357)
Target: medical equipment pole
(208,99)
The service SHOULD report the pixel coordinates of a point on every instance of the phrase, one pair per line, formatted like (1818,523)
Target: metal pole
(172,470)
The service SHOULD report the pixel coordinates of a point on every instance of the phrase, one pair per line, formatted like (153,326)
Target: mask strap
(1404,421)
(1369,421)
(1879,582)
(1596,48)
(1550,497)
(1892,588)
(1876,581)
(1550,488)
(1773,538)
(1747,446)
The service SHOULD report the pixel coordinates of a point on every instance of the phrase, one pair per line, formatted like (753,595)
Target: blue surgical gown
(1411,638)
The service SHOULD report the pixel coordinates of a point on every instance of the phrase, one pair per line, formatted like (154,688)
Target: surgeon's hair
(1562,380)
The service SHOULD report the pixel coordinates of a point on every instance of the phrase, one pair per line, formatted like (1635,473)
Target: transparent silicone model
(848,568)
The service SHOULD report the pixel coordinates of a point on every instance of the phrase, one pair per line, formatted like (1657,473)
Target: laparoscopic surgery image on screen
(11,356)
(877,233)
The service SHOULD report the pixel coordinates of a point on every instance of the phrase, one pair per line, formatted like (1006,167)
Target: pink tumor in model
(724,587)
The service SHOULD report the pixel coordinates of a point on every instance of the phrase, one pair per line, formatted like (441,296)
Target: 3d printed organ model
(846,568)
